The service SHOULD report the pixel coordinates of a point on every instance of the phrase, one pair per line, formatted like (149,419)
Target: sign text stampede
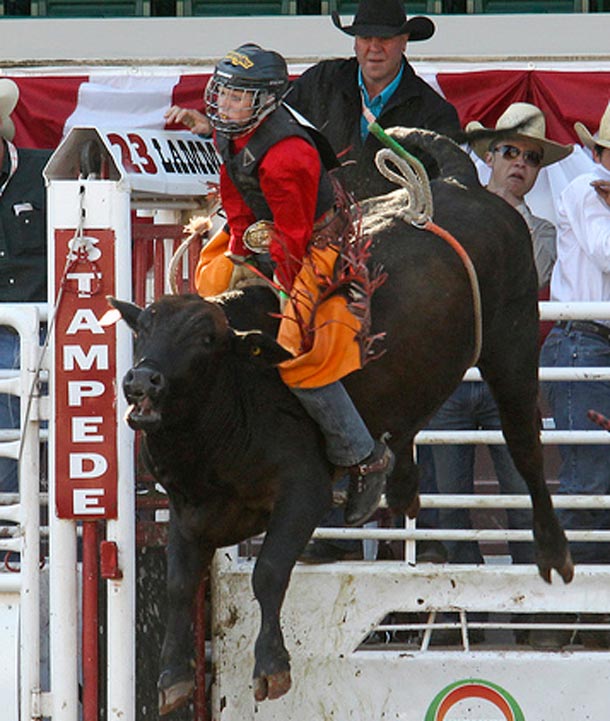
(85,372)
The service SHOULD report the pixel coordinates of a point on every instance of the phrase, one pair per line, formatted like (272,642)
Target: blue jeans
(9,407)
(348,440)
(472,407)
(585,469)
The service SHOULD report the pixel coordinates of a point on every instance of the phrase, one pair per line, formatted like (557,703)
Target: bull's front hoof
(173,694)
(272,686)
(565,569)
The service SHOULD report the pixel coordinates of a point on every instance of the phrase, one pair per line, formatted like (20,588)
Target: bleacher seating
(528,6)
(83,8)
(235,7)
(202,8)
(414,7)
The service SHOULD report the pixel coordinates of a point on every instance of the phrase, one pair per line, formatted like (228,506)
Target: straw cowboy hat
(603,134)
(529,124)
(385,19)
(9,95)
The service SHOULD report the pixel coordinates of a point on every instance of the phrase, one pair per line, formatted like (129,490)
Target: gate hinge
(41,704)
(109,561)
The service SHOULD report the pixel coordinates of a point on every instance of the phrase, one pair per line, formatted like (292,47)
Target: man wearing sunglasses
(515,162)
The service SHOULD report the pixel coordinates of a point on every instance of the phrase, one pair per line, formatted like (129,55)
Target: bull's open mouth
(142,415)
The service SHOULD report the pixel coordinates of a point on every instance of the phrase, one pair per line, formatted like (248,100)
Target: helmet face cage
(236,106)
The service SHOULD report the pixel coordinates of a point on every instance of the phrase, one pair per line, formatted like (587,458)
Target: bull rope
(197,227)
(419,211)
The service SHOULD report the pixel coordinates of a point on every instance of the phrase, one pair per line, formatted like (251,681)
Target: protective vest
(242,167)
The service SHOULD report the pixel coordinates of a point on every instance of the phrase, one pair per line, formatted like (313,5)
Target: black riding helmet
(261,76)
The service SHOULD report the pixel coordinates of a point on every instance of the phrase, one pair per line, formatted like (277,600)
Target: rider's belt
(326,230)
(329,227)
(258,236)
(586,326)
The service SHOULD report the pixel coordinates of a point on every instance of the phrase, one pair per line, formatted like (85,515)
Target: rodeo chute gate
(99,181)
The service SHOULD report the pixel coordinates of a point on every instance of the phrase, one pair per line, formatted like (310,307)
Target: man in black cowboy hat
(334,93)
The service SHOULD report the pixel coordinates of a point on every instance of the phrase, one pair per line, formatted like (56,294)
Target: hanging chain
(80,248)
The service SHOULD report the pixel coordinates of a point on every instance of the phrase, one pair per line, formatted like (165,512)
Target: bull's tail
(441,157)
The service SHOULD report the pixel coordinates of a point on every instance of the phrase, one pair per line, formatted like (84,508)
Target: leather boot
(367,480)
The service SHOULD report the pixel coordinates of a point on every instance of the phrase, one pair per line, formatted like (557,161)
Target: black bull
(238,455)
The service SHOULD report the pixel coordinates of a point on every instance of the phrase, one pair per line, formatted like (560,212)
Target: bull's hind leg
(402,491)
(303,501)
(515,388)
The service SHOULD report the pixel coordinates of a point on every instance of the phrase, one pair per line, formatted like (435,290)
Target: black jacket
(327,94)
(242,168)
(23,241)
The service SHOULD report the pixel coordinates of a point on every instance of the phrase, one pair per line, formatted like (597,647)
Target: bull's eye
(256,350)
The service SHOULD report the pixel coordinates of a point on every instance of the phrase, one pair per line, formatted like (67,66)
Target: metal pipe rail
(412,533)
(431,500)
(552,310)
(430,534)
(556,374)
(495,437)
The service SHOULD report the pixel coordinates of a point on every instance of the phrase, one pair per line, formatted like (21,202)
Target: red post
(90,641)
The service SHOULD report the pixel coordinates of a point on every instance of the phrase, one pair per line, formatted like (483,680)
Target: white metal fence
(20,579)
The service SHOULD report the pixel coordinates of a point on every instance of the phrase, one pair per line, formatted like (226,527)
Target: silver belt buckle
(258,236)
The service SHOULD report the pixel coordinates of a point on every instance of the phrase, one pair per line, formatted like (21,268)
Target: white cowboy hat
(603,134)
(9,95)
(531,125)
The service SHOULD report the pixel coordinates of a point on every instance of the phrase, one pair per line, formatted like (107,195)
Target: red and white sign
(166,163)
(85,370)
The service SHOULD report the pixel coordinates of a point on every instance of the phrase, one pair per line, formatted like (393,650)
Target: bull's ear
(130,312)
(259,346)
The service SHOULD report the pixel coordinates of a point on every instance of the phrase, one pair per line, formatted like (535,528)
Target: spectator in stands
(333,93)
(582,273)
(515,162)
(23,266)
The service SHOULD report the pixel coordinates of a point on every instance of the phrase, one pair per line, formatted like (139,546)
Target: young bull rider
(277,193)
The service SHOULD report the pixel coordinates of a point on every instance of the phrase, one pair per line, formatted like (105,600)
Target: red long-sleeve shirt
(289,175)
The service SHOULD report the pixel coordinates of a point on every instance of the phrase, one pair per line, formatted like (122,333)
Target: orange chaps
(321,335)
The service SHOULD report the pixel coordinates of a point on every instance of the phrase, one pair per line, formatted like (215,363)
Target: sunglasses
(530,157)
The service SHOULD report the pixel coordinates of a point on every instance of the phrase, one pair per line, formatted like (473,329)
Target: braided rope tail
(419,212)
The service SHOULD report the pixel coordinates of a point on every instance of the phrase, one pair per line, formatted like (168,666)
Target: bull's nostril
(156,379)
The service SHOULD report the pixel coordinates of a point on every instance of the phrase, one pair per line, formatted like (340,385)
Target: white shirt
(582,270)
